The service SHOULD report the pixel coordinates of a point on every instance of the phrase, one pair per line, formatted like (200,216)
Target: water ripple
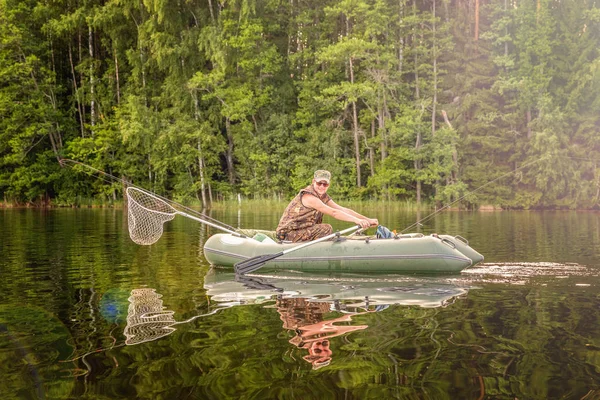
(521,273)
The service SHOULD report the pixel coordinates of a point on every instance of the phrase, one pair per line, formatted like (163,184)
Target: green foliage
(202,101)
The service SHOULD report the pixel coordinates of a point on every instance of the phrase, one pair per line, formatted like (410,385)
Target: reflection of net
(146,215)
(146,317)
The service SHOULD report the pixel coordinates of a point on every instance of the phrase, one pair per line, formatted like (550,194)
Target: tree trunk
(355,129)
(201,166)
(401,44)
(229,155)
(528,116)
(416,57)
(446,11)
(435,71)
(76,89)
(454,152)
(212,13)
(597,185)
(52,55)
(417,162)
(506,31)
(372,151)
(141,50)
(201,173)
(143,72)
(55,136)
(117,77)
(417,165)
(150,173)
(92,101)
(435,88)
(476,36)
(381,115)
(81,76)
(54,145)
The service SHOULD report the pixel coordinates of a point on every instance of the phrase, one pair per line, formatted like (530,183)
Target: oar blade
(254,263)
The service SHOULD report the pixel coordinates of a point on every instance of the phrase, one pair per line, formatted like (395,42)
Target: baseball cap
(322,175)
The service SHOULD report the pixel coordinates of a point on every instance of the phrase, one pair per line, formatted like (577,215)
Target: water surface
(85,312)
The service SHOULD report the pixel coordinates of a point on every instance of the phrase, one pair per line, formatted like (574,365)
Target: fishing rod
(106,177)
(419,222)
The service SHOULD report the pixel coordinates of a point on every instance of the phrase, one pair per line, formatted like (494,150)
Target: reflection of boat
(318,308)
(355,290)
(406,253)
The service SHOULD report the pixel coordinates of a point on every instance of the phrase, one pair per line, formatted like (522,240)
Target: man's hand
(364,223)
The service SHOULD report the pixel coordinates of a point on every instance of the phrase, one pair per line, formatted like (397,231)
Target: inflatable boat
(407,253)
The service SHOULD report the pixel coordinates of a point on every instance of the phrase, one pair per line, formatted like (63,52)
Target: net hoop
(146,215)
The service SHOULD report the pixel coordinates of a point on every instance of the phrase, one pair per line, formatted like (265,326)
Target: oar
(254,263)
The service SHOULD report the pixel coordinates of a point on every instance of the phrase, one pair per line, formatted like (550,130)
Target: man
(303,217)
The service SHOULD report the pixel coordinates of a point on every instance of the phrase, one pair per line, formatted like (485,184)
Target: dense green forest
(412,100)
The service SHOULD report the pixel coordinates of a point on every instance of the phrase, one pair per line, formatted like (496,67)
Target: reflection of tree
(31,340)
(313,331)
(147,319)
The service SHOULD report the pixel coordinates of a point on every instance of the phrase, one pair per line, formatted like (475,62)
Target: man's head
(319,353)
(321,180)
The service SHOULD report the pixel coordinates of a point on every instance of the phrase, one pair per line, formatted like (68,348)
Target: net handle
(209,223)
(174,212)
(105,176)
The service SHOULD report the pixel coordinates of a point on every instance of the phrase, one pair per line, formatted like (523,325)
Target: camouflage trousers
(307,234)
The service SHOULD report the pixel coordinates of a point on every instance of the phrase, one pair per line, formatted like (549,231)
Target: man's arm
(372,221)
(337,211)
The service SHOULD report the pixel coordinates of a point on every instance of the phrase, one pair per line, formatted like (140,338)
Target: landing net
(146,215)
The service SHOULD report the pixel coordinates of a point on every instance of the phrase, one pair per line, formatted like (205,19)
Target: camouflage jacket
(297,216)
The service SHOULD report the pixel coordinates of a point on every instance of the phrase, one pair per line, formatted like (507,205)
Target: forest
(476,102)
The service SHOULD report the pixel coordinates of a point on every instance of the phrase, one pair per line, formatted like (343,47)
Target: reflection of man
(319,353)
(307,319)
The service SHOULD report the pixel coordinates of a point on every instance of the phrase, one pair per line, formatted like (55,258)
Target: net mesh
(146,215)
(147,318)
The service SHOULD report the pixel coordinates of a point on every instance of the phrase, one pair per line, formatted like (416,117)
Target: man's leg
(308,234)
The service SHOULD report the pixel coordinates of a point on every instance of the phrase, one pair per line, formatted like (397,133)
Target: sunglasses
(324,184)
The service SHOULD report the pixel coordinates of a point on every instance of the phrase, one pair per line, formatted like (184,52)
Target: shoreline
(228,204)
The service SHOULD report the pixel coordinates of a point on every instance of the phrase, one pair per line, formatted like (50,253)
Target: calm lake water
(85,312)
